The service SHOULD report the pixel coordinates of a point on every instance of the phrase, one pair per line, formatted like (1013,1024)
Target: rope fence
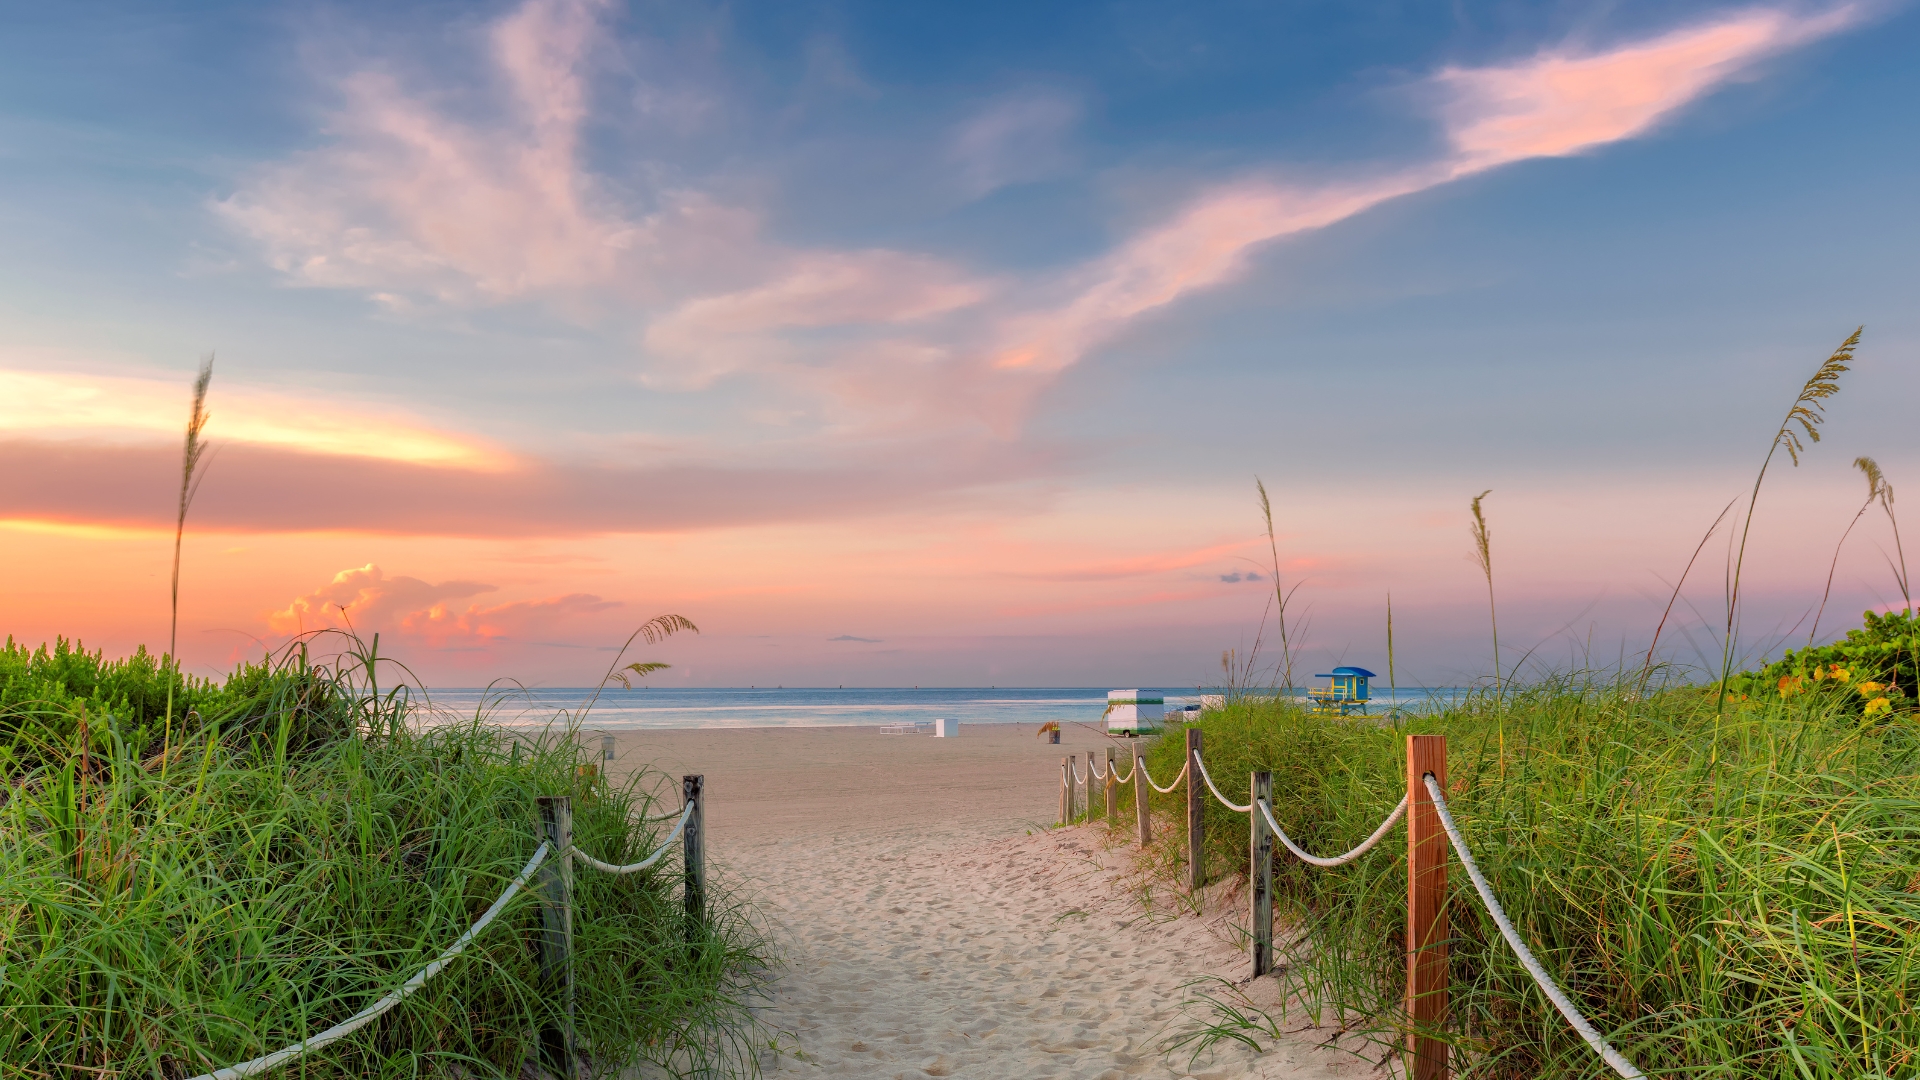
(558,1042)
(1431,829)
(1547,986)
(373,1012)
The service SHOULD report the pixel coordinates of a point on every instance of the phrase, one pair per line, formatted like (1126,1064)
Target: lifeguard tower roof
(1360,671)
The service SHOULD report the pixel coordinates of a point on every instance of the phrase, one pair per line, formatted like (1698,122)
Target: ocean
(735,707)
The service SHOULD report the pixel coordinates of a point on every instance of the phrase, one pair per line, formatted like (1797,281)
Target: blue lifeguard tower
(1347,691)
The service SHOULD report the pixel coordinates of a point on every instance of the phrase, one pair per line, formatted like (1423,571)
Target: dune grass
(302,848)
(1747,906)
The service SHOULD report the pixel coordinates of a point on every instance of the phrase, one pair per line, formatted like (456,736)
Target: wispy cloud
(69,405)
(1566,101)
(407,202)
(52,484)
(875,291)
(1015,139)
(850,637)
(1556,103)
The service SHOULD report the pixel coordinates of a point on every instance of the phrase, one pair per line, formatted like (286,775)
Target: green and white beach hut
(1134,712)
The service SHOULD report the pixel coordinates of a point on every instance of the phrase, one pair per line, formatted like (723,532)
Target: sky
(944,344)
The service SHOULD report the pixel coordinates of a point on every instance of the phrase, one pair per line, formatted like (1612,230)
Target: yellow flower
(1878,704)
(1789,685)
(1869,688)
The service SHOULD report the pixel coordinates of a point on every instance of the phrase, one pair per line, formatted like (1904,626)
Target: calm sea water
(663,707)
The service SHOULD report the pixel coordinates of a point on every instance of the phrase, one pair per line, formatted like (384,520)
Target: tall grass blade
(1809,412)
(1646,670)
(1280,594)
(190,478)
(1483,553)
(1871,470)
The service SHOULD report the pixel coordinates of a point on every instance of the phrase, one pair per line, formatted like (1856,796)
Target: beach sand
(930,924)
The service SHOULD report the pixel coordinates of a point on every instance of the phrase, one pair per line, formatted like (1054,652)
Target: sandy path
(931,929)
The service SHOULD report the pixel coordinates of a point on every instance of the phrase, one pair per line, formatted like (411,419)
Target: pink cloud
(440,627)
(1562,102)
(1204,245)
(407,201)
(1556,103)
(252,488)
(1553,104)
(417,612)
(368,599)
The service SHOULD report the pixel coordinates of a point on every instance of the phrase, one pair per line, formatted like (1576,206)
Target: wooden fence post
(1261,875)
(1113,790)
(1196,821)
(1426,911)
(692,844)
(1140,791)
(1066,793)
(556,933)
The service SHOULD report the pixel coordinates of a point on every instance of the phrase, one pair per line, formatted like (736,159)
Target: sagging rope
(1230,804)
(1093,766)
(1168,790)
(372,1012)
(1078,776)
(1337,860)
(631,868)
(1547,986)
(1131,765)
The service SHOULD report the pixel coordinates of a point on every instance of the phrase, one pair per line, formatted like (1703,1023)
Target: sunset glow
(889,358)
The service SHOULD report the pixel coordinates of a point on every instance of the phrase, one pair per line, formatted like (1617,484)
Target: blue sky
(964,330)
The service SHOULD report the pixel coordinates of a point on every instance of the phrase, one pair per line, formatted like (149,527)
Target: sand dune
(931,925)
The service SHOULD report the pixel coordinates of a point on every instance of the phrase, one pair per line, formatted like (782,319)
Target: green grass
(302,850)
(1746,907)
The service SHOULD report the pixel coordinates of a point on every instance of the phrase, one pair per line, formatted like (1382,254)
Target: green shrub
(163,916)
(1736,897)
(48,696)
(1871,670)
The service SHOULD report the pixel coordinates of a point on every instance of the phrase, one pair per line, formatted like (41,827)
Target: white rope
(1169,788)
(630,868)
(1131,765)
(1230,804)
(370,1013)
(1338,860)
(1547,986)
(1093,767)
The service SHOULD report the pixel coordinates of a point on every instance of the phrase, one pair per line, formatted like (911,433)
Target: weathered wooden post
(1426,911)
(692,845)
(556,933)
(1140,790)
(1113,790)
(1066,795)
(1196,822)
(1261,875)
